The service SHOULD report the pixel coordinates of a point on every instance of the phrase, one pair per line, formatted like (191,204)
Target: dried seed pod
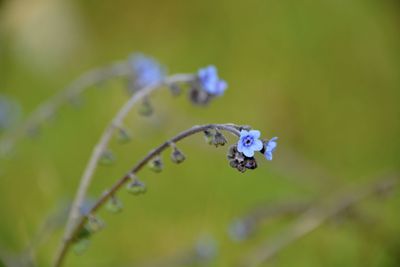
(156,164)
(219,139)
(136,187)
(177,156)
(124,136)
(209,137)
(94,224)
(114,205)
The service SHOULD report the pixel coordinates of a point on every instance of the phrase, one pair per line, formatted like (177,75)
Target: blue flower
(147,70)
(210,81)
(249,142)
(270,147)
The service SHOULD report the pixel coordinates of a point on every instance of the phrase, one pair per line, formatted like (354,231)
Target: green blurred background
(323,76)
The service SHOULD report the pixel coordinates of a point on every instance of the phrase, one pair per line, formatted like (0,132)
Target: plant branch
(117,185)
(315,217)
(49,107)
(103,142)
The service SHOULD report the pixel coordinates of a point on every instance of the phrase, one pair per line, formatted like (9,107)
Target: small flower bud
(209,137)
(145,109)
(136,187)
(219,139)
(177,156)
(156,164)
(241,168)
(199,96)
(245,127)
(239,161)
(94,224)
(124,136)
(250,163)
(107,158)
(114,205)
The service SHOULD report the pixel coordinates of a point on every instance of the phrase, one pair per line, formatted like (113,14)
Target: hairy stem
(48,108)
(117,185)
(103,142)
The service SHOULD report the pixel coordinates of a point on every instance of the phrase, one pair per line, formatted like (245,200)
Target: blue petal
(258,145)
(268,155)
(240,146)
(243,133)
(221,87)
(255,134)
(248,152)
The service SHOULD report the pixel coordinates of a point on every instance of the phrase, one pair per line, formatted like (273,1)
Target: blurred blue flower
(249,142)
(270,147)
(9,112)
(210,81)
(147,70)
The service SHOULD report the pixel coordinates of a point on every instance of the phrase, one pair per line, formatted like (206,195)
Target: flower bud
(177,156)
(124,136)
(219,139)
(198,96)
(94,224)
(209,137)
(114,205)
(107,158)
(156,164)
(136,187)
(145,109)
(250,163)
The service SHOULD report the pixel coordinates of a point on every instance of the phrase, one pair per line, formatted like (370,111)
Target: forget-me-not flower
(147,70)
(210,82)
(249,142)
(270,147)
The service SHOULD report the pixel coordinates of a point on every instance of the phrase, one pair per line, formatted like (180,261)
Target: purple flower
(210,82)
(249,142)
(270,147)
(147,70)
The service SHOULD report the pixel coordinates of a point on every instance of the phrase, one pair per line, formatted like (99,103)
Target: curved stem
(48,108)
(103,142)
(139,165)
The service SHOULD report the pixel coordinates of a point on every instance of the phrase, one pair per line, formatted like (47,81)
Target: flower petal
(243,133)
(258,145)
(240,146)
(255,133)
(248,152)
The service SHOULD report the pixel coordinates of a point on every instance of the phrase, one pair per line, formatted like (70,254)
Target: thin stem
(103,142)
(117,185)
(315,217)
(49,107)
